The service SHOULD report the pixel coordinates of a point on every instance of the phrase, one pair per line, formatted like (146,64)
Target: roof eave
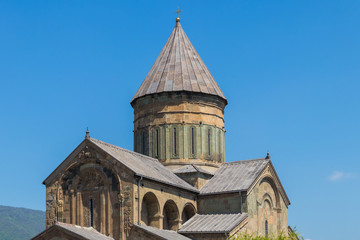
(135,98)
(166,183)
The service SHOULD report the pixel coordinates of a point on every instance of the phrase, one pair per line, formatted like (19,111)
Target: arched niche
(188,212)
(274,192)
(270,207)
(150,210)
(171,216)
(91,195)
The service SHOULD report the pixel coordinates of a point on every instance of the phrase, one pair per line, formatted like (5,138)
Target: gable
(270,173)
(138,164)
(63,231)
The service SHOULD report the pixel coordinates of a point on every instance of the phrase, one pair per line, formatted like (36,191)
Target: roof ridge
(245,161)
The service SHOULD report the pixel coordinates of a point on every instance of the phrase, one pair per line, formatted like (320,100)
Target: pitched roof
(88,233)
(162,234)
(191,168)
(179,68)
(143,165)
(234,176)
(212,223)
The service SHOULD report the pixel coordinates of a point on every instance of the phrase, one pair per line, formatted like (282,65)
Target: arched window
(171,216)
(91,214)
(143,142)
(175,150)
(192,141)
(266,228)
(209,142)
(157,142)
(150,210)
(188,212)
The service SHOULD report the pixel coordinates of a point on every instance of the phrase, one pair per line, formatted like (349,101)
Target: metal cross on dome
(178,11)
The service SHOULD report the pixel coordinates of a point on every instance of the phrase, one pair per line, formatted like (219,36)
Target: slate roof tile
(164,234)
(143,165)
(191,168)
(212,223)
(179,68)
(88,233)
(234,176)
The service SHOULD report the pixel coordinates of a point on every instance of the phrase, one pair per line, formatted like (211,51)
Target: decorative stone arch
(93,191)
(268,179)
(150,210)
(187,212)
(267,197)
(171,217)
(270,207)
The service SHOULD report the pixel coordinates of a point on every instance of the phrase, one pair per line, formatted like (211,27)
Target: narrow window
(143,142)
(219,145)
(91,208)
(209,150)
(266,228)
(192,142)
(157,142)
(175,141)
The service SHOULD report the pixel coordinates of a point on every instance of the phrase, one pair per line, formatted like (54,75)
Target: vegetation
(292,236)
(20,223)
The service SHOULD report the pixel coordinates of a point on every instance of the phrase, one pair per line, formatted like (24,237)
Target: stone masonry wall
(97,178)
(180,128)
(265,203)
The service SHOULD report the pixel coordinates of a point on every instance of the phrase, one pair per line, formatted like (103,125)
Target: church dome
(179,68)
(179,109)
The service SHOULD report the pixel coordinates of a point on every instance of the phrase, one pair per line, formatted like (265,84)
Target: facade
(176,183)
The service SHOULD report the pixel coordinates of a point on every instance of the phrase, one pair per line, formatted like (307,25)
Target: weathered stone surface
(178,129)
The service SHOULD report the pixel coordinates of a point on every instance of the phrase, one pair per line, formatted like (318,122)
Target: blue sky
(290,70)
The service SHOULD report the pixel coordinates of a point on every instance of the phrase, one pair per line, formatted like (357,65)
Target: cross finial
(177,12)
(87,135)
(267,155)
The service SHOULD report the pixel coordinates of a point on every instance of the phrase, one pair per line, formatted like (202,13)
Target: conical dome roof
(179,68)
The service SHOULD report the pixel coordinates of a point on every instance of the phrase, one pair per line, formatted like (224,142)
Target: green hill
(20,223)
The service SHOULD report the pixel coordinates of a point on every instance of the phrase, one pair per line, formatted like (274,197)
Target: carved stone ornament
(127,220)
(85,153)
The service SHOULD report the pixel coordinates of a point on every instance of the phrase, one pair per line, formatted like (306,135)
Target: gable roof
(179,68)
(86,233)
(139,164)
(234,176)
(143,165)
(212,223)
(162,234)
(191,168)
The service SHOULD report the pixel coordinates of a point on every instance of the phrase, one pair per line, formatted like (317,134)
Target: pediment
(85,155)
(270,172)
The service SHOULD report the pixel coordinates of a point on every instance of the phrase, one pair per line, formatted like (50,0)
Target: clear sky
(290,70)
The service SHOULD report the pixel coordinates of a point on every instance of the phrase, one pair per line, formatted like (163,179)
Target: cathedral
(176,183)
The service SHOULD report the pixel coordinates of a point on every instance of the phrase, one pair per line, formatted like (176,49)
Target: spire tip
(87,135)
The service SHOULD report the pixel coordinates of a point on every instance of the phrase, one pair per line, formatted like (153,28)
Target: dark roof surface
(191,168)
(179,68)
(212,223)
(88,233)
(234,176)
(143,165)
(164,234)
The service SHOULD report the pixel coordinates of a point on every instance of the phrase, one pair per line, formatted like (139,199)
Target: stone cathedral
(176,183)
